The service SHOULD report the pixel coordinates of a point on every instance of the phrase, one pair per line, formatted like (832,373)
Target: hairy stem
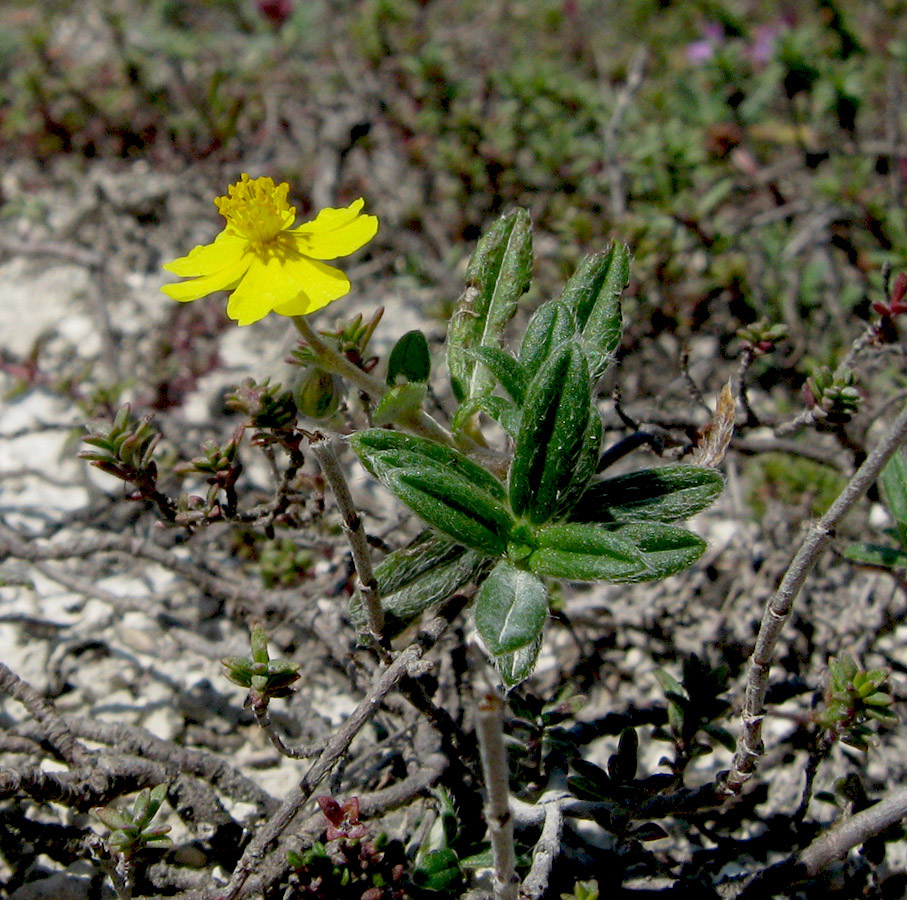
(332,360)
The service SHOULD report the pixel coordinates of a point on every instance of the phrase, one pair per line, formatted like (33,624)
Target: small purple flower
(762,47)
(703,50)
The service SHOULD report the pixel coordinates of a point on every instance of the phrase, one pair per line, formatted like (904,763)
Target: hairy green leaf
(511,609)
(427,571)
(660,495)
(401,450)
(552,432)
(409,359)
(552,325)
(666,549)
(585,553)
(498,274)
(516,666)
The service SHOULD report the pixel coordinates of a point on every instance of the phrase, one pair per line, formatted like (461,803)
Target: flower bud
(317,393)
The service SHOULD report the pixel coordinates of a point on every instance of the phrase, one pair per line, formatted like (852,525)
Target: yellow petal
(224,279)
(321,285)
(206,259)
(336,232)
(269,282)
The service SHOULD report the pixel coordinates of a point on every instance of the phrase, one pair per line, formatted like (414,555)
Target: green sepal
(666,549)
(516,666)
(399,401)
(498,274)
(593,293)
(511,609)
(408,449)
(409,359)
(552,430)
(552,324)
(509,372)
(585,553)
(665,494)
(427,571)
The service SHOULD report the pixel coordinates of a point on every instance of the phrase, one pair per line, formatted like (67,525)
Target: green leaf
(141,809)
(505,369)
(552,434)
(505,412)
(622,765)
(666,549)
(661,495)
(593,293)
(438,870)
(876,555)
(517,666)
(112,819)
(453,505)
(585,553)
(398,401)
(511,609)
(429,570)
(402,450)
(590,782)
(586,464)
(552,325)
(893,484)
(410,359)
(498,274)
(158,795)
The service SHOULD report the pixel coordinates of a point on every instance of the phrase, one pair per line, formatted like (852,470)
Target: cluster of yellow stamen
(257,209)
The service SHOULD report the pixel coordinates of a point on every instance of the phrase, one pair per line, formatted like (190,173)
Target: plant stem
(332,360)
(779,607)
(323,451)
(490,730)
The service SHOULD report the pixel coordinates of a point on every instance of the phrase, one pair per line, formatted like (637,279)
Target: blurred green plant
(893,489)
(695,708)
(792,480)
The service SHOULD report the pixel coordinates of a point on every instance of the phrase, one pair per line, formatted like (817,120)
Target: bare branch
(490,730)
(778,610)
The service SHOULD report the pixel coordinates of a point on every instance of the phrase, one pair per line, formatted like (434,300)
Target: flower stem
(335,362)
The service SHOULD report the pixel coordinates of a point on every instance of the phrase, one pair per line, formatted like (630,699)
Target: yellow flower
(266,263)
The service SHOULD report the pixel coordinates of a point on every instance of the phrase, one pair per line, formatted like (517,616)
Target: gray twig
(778,609)
(546,851)
(324,452)
(490,730)
(55,729)
(337,747)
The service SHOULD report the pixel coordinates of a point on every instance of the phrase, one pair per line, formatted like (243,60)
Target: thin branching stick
(778,609)
(405,663)
(56,730)
(545,853)
(324,452)
(490,730)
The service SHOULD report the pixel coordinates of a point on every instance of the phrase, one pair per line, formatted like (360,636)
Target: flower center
(257,208)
